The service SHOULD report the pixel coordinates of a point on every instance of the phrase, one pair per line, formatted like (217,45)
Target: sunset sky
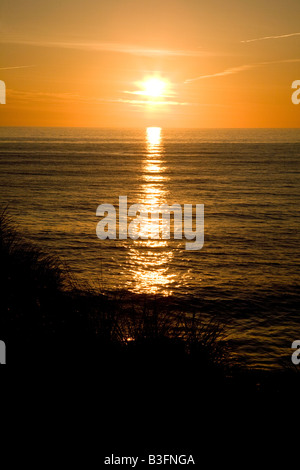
(133,63)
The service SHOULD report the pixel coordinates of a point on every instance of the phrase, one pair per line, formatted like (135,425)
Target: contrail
(229,71)
(272,37)
(242,68)
(17,67)
(112,47)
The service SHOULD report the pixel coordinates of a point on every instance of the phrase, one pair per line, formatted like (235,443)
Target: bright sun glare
(154,87)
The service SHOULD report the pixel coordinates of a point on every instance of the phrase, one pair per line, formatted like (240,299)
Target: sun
(154,87)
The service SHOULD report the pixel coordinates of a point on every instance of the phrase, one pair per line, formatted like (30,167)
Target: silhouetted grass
(47,317)
(42,304)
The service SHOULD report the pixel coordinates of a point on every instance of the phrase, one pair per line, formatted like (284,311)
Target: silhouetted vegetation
(46,317)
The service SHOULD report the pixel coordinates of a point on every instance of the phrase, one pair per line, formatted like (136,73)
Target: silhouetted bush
(48,318)
(44,311)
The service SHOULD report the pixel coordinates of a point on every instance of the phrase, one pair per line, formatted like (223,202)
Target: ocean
(246,274)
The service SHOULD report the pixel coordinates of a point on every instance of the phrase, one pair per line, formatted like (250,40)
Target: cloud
(77,98)
(49,97)
(229,71)
(241,68)
(272,37)
(111,47)
(17,67)
(147,102)
(144,93)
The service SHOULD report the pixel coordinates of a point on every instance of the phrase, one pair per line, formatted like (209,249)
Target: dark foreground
(48,320)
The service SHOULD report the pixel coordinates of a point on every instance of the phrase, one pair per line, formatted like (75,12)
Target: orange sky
(83,63)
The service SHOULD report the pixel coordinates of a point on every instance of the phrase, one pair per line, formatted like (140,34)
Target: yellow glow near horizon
(166,62)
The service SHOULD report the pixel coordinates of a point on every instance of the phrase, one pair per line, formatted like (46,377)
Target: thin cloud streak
(147,102)
(73,97)
(17,67)
(112,47)
(45,96)
(151,103)
(229,71)
(272,37)
(144,93)
(241,68)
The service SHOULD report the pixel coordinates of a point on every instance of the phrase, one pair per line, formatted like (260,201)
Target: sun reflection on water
(153,136)
(150,259)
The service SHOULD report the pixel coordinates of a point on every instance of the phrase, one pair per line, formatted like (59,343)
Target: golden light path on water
(151,258)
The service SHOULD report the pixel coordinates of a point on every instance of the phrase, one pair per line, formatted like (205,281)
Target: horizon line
(142,127)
